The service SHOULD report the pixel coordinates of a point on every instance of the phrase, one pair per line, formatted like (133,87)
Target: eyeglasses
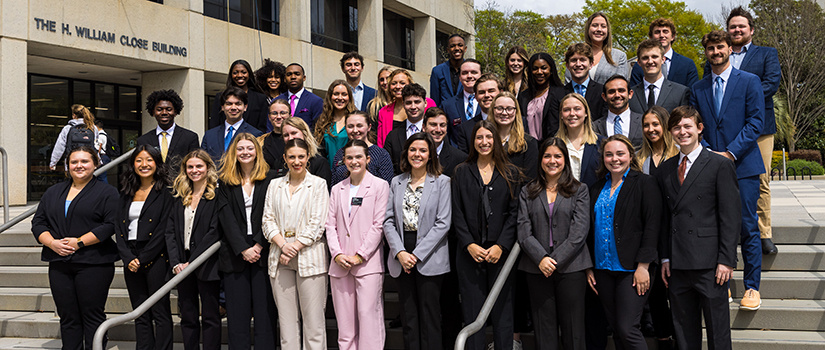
(281,113)
(508,110)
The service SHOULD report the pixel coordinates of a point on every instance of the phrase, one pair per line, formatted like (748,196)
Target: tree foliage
(794,28)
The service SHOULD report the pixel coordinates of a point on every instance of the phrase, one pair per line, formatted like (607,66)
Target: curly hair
(269,68)
(164,95)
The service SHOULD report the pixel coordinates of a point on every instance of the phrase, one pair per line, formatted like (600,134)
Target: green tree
(498,31)
(630,19)
(795,29)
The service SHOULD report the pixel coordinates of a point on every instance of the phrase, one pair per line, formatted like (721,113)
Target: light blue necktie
(718,94)
(580,89)
(228,138)
(617,125)
(469,114)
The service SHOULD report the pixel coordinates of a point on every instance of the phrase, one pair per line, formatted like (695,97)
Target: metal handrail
(5,185)
(481,319)
(159,294)
(19,218)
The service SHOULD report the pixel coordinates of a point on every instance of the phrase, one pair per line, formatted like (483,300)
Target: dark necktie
(651,95)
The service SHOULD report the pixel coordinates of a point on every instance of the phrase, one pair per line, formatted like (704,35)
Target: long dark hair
(554,73)
(508,171)
(250,83)
(567,184)
(130,182)
(433,166)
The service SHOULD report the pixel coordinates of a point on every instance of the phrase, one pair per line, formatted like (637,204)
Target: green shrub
(798,164)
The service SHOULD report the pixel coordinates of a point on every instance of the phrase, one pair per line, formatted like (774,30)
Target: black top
(204,235)
(183,141)
(450,157)
(636,221)
(468,197)
(93,210)
(273,149)
(394,144)
(233,228)
(151,241)
(527,160)
(256,114)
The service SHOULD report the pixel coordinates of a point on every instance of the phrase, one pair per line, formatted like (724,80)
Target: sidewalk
(797,203)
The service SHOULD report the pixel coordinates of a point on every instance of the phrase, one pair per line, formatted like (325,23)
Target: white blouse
(575,160)
(304,213)
(247,203)
(134,215)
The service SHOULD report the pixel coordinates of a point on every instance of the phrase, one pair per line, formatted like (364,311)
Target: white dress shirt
(656,91)
(467,101)
(357,94)
(419,125)
(169,133)
(625,121)
(725,76)
(235,127)
(691,158)
(667,60)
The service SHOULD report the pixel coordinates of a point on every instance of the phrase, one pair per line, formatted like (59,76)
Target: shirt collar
(625,115)
(657,83)
(585,83)
(439,148)
(467,94)
(692,155)
(235,126)
(299,93)
(725,75)
(169,132)
(483,115)
(359,87)
(419,124)
(744,49)
(669,54)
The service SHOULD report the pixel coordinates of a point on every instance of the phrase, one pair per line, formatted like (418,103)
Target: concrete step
(807,285)
(40,299)
(792,257)
(38,277)
(17,238)
(799,233)
(20,256)
(776,340)
(781,315)
(56,344)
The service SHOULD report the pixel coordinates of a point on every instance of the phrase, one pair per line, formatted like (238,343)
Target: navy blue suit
(763,61)
(369,94)
(309,106)
(441,84)
(456,114)
(213,139)
(735,129)
(681,70)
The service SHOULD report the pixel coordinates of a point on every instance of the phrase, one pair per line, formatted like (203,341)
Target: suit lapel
(730,89)
(748,55)
(627,187)
(695,169)
(708,92)
(639,96)
(174,141)
(667,87)
(149,200)
(429,184)
(543,198)
(362,191)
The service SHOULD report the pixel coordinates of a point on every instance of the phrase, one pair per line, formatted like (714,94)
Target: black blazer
(394,144)
(467,191)
(94,210)
(571,222)
(527,160)
(232,225)
(257,111)
(273,150)
(672,95)
(450,157)
(593,96)
(151,240)
(637,219)
(590,162)
(183,141)
(704,213)
(204,235)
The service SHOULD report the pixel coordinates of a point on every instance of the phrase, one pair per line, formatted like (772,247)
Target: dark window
(258,14)
(50,101)
(157,1)
(399,34)
(335,24)
(441,40)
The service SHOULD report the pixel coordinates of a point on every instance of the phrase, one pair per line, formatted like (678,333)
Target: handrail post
(5,184)
(492,297)
(104,327)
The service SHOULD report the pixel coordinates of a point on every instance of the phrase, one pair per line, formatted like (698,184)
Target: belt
(289,234)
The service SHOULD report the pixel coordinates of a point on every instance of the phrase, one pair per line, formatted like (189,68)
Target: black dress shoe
(768,248)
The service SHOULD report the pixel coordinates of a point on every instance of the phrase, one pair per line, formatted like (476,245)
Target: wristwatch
(80,243)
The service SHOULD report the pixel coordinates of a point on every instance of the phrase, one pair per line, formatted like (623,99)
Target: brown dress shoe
(751,300)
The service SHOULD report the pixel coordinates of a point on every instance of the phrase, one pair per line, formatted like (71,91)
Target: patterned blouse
(412,201)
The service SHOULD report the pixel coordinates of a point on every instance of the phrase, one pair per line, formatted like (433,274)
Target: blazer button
(150,233)
(690,232)
(124,221)
(150,220)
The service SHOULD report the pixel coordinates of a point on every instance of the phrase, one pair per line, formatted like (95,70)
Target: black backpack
(78,136)
(112,148)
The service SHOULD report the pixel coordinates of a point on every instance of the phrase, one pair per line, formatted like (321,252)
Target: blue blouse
(66,207)
(334,141)
(607,257)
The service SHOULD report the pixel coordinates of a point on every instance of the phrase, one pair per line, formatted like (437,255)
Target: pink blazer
(361,230)
(385,120)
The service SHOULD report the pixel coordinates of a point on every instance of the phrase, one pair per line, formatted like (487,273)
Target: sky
(709,8)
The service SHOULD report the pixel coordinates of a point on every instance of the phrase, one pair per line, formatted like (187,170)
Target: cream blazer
(306,211)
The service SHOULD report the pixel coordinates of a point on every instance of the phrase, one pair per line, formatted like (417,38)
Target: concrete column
(189,85)
(425,45)
(371,29)
(296,19)
(13,102)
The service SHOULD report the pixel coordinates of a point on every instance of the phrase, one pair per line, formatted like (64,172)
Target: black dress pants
(153,329)
(558,303)
(475,280)
(200,312)
(80,292)
(249,295)
(623,307)
(420,298)
(694,293)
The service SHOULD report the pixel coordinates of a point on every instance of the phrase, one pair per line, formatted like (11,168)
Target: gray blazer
(672,95)
(606,70)
(635,134)
(571,222)
(434,219)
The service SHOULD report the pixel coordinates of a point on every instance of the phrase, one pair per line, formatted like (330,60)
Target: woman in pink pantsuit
(354,234)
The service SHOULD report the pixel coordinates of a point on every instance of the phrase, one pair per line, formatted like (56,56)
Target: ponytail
(80,111)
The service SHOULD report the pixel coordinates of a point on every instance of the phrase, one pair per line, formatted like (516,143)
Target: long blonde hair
(381,99)
(589,135)
(301,125)
(517,142)
(231,173)
(670,148)
(325,120)
(607,45)
(182,187)
(81,112)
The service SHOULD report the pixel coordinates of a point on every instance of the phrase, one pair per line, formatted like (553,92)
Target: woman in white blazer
(418,218)
(294,216)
